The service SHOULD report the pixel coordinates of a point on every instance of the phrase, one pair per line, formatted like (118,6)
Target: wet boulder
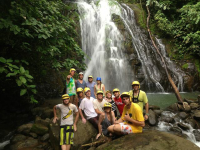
(183,126)
(183,115)
(154,107)
(149,140)
(17,138)
(194,106)
(197,115)
(25,128)
(39,129)
(192,122)
(175,129)
(189,101)
(153,120)
(158,112)
(45,137)
(197,135)
(173,107)
(167,119)
(45,122)
(198,98)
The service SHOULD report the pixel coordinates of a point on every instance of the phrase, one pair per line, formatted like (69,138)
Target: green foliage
(14,70)
(180,21)
(197,64)
(36,34)
(185,66)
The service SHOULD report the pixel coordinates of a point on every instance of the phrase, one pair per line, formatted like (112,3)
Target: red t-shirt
(119,104)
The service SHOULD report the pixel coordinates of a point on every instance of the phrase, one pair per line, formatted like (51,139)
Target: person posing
(91,85)
(99,103)
(80,82)
(88,109)
(67,127)
(99,86)
(118,100)
(105,120)
(132,119)
(111,101)
(70,86)
(138,96)
(80,96)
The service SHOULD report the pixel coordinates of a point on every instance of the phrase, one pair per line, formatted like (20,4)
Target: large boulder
(153,120)
(194,106)
(25,128)
(84,134)
(149,140)
(39,129)
(197,115)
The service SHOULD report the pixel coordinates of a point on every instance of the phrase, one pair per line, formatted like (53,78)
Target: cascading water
(103,43)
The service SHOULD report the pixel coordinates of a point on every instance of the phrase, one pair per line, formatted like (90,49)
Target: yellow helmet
(90,76)
(125,94)
(99,92)
(79,90)
(136,83)
(65,96)
(72,69)
(116,90)
(107,105)
(86,89)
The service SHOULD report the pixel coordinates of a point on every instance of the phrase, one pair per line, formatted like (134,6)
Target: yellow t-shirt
(142,98)
(135,113)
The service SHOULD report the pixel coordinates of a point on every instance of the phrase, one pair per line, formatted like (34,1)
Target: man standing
(88,109)
(67,127)
(70,86)
(132,119)
(138,96)
(80,82)
(118,100)
(91,85)
(99,103)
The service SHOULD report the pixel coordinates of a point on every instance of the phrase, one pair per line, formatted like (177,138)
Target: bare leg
(65,147)
(116,129)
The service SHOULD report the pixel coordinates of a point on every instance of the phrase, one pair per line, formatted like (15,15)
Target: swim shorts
(66,135)
(126,129)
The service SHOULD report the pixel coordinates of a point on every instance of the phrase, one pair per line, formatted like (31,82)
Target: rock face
(149,140)
(84,134)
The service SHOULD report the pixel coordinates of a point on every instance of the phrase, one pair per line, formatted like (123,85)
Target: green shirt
(71,87)
(142,98)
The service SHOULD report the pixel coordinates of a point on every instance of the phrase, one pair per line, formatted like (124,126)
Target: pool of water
(164,100)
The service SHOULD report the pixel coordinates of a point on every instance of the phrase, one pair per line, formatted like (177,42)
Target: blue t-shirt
(78,84)
(91,86)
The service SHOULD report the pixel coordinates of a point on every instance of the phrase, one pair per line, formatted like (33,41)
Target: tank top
(99,89)
(105,124)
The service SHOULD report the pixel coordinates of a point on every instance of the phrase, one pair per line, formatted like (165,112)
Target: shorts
(126,129)
(66,135)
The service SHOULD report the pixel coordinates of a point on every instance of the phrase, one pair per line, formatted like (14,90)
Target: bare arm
(76,120)
(146,111)
(55,116)
(104,91)
(99,125)
(113,117)
(95,90)
(98,112)
(81,114)
(119,121)
(68,78)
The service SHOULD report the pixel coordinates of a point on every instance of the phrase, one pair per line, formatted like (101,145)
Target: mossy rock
(39,129)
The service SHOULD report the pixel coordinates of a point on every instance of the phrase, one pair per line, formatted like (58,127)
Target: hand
(55,119)
(146,117)
(98,135)
(84,120)
(75,128)
(68,77)
(127,117)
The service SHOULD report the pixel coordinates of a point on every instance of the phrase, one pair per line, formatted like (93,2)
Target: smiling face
(107,109)
(100,96)
(108,95)
(116,94)
(81,76)
(72,73)
(80,94)
(126,100)
(135,87)
(90,79)
(66,101)
(98,81)
(88,93)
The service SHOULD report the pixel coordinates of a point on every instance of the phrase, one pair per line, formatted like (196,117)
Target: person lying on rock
(105,120)
(67,127)
(88,109)
(132,119)
(118,100)
(99,103)
(138,96)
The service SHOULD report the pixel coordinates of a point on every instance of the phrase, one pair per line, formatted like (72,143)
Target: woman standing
(105,120)
(99,87)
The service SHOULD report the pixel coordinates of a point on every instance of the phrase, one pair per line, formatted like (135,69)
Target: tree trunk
(178,96)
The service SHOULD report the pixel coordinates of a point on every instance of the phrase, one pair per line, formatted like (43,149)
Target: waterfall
(106,56)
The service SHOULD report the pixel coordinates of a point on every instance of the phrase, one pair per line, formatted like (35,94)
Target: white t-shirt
(67,113)
(99,105)
(88,108)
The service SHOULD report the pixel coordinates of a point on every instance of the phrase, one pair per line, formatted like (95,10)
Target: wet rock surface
(149,140)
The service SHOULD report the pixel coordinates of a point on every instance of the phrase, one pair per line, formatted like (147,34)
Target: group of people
(118,115)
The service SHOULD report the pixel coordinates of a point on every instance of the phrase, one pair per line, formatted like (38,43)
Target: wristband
(147,114)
